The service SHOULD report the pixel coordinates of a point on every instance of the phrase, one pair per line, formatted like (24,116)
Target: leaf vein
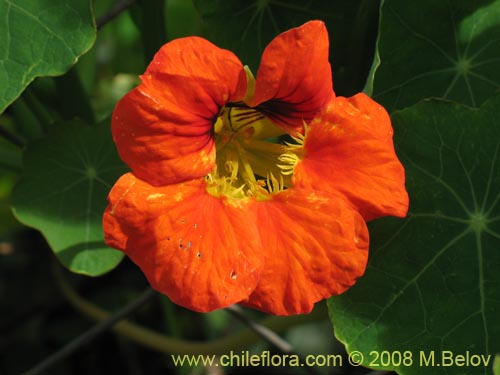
(411,282)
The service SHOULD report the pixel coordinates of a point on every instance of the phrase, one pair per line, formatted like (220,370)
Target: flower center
(250,161)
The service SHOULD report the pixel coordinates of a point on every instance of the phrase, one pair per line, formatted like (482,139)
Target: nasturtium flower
(250,190)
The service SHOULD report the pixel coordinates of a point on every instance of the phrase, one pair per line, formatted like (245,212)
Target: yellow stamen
(293,153)
(248,163)
(289,160)
(273,185)
(299,140)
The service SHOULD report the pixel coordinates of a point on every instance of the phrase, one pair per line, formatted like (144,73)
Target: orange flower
(214,212)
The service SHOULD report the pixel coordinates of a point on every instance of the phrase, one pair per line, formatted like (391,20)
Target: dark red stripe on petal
(285,115)
(294,80)
(243,117)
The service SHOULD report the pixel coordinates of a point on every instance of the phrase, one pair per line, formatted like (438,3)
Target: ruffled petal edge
(203,252)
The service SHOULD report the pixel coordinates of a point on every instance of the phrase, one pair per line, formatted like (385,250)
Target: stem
(165,344)
(11,137)
(172,329)
(153,26)
(91,334)
(42,115)
(27,125)
(268,335)
(73,98)
(363,42)
(113,13)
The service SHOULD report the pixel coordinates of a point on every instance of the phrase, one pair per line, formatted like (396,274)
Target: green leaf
(63,191)
(447,49)
(40,38)
(253,24)
(433,283)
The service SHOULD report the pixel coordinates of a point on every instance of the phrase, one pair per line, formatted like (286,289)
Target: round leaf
(40,38)
(63,191)
(433,282)
(448,49)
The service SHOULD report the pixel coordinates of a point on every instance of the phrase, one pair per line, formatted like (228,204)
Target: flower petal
(350,150)
(163,128)
(199,250)
(294,80)
(315,246)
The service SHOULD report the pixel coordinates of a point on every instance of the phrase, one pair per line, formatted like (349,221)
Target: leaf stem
(268,335)
(262,331)
(27,125)
(169,345)
(73,98)
(11,137)
(43,116)
(114,12)
(153,29)
(363,41)
(92,333)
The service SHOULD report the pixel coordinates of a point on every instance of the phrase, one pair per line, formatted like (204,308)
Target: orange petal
(294,80)
(315,246)
(199,250)
(163,128)
(349,149)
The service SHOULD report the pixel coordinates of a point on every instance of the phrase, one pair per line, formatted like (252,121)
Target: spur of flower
(250,190)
